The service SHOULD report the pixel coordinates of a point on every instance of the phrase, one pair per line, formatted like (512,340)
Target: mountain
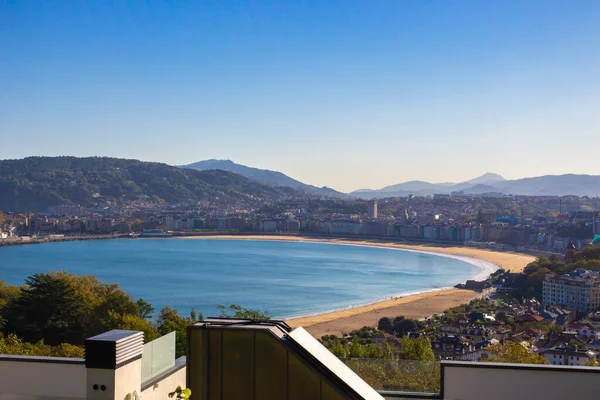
(549,185)
(554,185)
(411,186)
(265,176)
(36,183)
(486,178)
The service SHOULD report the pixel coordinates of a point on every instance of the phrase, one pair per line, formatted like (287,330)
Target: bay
(283,278)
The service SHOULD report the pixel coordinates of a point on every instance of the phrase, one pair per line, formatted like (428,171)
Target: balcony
(241,359)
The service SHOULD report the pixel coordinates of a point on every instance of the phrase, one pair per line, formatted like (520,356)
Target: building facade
(372,209)
(580,290)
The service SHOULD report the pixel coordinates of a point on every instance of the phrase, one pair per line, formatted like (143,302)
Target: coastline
(415,305)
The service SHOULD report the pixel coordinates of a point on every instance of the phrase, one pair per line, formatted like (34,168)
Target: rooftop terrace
(241,359)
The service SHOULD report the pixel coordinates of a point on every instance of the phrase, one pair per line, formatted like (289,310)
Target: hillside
(549,185)
(36,183)
(265,176)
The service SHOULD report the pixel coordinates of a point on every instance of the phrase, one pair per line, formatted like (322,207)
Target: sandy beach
(412,306)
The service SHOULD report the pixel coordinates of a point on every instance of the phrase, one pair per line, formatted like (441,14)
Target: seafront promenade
(58,238)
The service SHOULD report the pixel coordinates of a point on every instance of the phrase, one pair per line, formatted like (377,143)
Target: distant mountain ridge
(265,176)
(35,183)
(548,185)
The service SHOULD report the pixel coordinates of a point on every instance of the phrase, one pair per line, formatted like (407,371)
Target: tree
(372,351)
(418,349)
(512,352)
(339,350)
(386,325)
(1,218)
(403,326)
(236,311)
(137,225)
(64,308)
(130,322)
(145,309)
(556,329)
(7,292)
(387,351)
(49,309)
(169,321)
(356,350)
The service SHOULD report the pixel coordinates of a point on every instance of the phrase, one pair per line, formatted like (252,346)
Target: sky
(345,94)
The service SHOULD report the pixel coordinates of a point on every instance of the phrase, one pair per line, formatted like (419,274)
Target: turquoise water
(284,278)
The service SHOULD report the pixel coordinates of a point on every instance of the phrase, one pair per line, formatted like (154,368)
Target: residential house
(584,328)
(451,346)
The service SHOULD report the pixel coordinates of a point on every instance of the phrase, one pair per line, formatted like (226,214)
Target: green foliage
(356,350)
(12,344)
(145,309)
(399,326)
(64,308)
(398,375)
(49,309)
(338,349)
(129,322)
(358,347)
(364,335)
(474,306)
(236,311)
(417,349)
(36,183)
(181,394)
(535,272)
(7,292)
(511,352)
(169,320)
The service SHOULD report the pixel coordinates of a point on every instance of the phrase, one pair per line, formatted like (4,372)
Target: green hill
(36,183)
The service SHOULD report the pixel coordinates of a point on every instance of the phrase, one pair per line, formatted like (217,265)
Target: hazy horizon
(349,95)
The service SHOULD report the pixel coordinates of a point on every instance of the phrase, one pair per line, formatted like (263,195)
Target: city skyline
(345,95)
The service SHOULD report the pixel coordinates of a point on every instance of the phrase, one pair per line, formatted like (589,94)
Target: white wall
(161,389)
(42,378)
(524,383)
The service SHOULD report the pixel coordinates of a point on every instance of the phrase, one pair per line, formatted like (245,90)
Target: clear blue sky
(340,93)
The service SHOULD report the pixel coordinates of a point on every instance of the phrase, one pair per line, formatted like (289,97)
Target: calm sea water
(284,278)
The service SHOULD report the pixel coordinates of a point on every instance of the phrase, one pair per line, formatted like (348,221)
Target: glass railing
(158,356)
(398,375)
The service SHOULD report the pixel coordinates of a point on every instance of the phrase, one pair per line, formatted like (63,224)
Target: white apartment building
(580,289)
(569,355)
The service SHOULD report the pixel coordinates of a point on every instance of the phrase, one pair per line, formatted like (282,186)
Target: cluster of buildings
(468,338)
(447,220)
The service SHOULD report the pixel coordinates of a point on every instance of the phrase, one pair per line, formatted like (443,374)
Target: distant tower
(372,209)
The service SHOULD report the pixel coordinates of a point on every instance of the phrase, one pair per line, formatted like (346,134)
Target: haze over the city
(349,95)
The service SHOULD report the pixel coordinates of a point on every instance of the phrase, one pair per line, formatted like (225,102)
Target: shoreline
(411,305)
